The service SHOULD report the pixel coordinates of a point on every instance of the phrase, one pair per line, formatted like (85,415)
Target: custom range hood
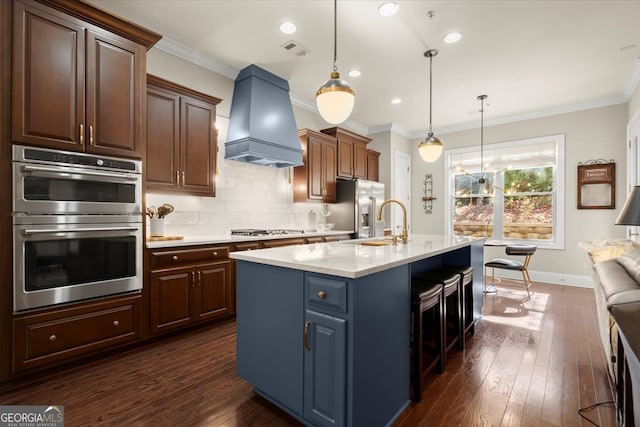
(262,129)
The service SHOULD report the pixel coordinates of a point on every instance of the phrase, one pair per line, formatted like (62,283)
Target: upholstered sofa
(614,265)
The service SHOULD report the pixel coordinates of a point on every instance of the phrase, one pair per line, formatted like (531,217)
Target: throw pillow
(630,261)
(608,252)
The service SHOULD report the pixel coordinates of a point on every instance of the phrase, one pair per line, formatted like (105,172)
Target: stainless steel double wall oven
(77,227)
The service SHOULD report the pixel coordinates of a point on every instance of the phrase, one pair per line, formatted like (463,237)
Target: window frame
(558,194)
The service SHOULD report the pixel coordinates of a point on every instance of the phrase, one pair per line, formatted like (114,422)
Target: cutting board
(163,238)
(376,243)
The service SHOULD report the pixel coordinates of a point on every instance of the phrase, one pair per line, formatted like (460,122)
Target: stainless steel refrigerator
(357,207)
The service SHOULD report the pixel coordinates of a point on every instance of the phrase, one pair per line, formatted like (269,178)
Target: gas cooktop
(263,232)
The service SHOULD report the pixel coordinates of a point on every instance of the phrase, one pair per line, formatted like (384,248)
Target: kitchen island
(324,329)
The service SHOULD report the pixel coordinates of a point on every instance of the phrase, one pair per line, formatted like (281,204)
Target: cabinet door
(48,79)
(325,369)
(345,158)
(114,92)
(373,167)
(213,294)
(329,157)
(198,146)
(171,298)
(163,139)
(315,169)
(360,160)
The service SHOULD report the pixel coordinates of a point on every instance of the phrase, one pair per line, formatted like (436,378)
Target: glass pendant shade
(430,148)
(335,99)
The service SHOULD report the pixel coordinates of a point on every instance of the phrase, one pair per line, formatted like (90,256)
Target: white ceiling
(532,58)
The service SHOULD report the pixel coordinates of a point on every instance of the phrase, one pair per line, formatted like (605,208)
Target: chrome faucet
(405,233)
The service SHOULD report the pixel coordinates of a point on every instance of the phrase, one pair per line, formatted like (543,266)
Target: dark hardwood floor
(531,363)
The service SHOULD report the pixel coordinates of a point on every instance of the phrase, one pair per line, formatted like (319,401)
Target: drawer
(326,293)
(61,335)
(318,239)
(182,256)
(283,242)
(249,246)
(337,238)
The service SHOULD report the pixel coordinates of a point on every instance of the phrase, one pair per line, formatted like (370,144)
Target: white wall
(591,134)
(247,195)
(634,103)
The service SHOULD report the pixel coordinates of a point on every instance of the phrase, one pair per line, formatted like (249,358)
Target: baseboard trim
(553,278)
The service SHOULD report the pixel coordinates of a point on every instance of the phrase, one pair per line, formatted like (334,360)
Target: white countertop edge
(262,257)
(226,238)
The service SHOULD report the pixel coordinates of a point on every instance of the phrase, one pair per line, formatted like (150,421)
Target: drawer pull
(52,338)
(116,323)
(215,253)
(306,335)
(175,257)
(321,294)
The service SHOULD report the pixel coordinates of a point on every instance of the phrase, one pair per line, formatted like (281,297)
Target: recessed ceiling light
(354,73)
(288,27)
(452,37)
(388,8)
(396,101)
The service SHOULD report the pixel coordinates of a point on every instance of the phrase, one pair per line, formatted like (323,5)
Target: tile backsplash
(247,196)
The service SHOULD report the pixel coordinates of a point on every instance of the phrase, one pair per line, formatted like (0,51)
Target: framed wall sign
(597,184)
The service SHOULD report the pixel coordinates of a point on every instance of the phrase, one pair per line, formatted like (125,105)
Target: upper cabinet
(352,152)
(316,179)
(181,139)
(373,165)
(78,78)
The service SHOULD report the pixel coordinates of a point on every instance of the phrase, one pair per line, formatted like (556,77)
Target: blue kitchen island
(323,329)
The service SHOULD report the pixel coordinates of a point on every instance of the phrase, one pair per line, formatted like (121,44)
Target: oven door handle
(57,172)
(76,230)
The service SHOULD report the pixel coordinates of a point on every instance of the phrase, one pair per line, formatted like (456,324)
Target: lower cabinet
(191,290)
(325,369)
(61,335)
(331,351)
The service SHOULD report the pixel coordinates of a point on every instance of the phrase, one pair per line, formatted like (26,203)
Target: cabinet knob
(116,323)
(321,294)
(52,338)
(175,257)
(215,253)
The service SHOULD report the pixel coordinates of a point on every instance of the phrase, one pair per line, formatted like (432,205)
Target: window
(518,196)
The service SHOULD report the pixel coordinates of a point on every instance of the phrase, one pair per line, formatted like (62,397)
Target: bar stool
(453,309)
(466,277)
(425,297)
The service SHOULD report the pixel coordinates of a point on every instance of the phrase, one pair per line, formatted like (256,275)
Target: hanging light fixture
(430,148)
(483,172)
(335,99)
(481,98)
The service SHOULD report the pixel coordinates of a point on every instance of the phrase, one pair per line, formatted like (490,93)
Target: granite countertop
(226,238)
(349,258)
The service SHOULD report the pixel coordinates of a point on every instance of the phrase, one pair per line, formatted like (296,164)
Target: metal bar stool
(426,296)
(509,264)
(466,277)
(452,289)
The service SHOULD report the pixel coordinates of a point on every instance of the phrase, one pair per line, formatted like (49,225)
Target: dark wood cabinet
(60,335)
(373,165)
(352,153)
(188,286)
(181,139)
(316,179)
(76,86)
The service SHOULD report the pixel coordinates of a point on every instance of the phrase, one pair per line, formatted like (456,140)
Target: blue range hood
(262,129)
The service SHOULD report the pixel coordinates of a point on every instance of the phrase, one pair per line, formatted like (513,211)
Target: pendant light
(481,98)
(335,99)
(430,148)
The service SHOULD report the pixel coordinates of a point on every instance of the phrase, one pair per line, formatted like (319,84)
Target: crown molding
(174,48)
(634,81)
